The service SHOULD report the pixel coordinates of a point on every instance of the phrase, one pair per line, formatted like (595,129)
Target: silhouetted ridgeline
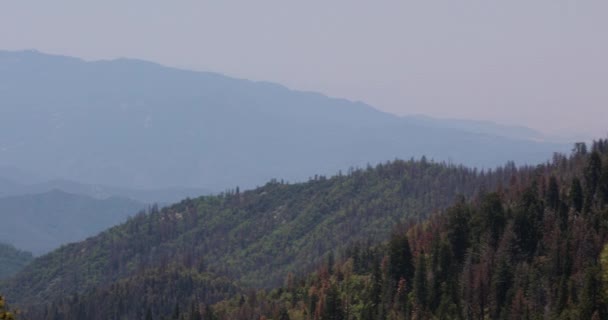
(132,123)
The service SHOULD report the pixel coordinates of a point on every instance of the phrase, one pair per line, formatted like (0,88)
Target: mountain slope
(147,196)
(255,237)
(12,260)
(482,127)
(42,222)
(132,123)
(535,248)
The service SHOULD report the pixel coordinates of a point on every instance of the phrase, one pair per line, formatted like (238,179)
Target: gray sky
(539,63)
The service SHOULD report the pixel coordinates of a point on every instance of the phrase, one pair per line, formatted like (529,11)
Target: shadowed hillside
(254,237)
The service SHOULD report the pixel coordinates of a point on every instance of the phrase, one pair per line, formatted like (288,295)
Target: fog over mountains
(161,196)
(42,222)
(136,124)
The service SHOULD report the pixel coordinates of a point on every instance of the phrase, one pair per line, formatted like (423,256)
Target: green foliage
(501,283)
(459,228)
(592,175)
(255,237)
(502,254)
(553,200)
(420,283)
(576,195)
(492,216)
(400,257)
(593,172)
(170,291)
(528,220)
(333,305)
(603,184)
(535,269)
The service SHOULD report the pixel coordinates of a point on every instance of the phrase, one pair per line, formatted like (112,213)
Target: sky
(538,63)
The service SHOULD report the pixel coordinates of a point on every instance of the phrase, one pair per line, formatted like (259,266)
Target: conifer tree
(493,216)
(333,305)
(194,312)
(376,288)
(593,172)
(459,229)
(576,195)
(501,284)
(420,283)
(400,255)
(603,184)
(553,194)
(590,294)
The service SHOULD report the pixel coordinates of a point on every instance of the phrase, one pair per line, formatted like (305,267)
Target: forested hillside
(530,247)
(515,243)
(254,237)
(12,260)
(533,249)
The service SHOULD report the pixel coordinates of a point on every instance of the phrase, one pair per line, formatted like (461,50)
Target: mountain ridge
(527,243)
(239,234)
(43,222)
(139,123)
(161,196)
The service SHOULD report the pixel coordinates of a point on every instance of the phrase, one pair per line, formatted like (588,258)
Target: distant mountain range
(137,124)
(12,260)
(159,196)
(42,222)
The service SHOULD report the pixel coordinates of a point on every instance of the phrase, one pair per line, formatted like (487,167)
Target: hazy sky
(540,63)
